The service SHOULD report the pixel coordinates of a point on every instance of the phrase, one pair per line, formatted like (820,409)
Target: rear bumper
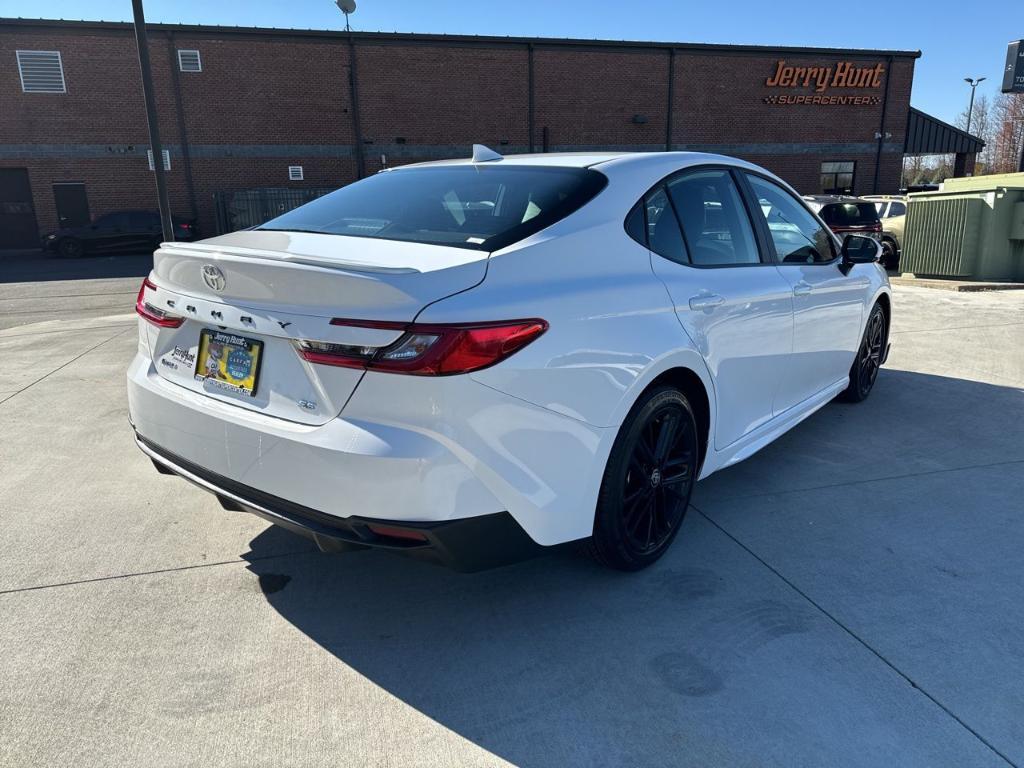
(467,544)
(408,449)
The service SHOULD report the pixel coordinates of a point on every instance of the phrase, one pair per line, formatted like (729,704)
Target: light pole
(154,129)
(970,110)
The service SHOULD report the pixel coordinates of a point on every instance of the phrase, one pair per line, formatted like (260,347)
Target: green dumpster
(971,229)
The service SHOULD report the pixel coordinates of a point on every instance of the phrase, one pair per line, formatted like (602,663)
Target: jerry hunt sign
(815,82)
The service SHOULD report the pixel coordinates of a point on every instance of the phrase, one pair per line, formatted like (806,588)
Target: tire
(647,482)
(890,256)
(865,366)
(70,248)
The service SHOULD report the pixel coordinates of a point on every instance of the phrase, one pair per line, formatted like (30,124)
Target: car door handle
(706,301)
(802,288)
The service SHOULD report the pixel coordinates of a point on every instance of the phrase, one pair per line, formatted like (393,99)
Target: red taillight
(429,350)
(153,314)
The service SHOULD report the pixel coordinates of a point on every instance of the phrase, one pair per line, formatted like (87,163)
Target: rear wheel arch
(690,384)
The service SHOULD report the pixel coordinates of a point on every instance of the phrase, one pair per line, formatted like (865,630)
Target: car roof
(561,159)
(589,159)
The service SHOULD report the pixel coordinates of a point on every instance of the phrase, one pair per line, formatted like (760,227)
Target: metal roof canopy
(927,135)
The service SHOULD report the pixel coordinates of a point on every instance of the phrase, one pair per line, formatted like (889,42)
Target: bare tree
(913,167)
(1007,132)
(981,126)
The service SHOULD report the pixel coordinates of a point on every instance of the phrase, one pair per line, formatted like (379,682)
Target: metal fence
(246,208)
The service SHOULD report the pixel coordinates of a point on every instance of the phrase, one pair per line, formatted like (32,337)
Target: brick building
(244,109)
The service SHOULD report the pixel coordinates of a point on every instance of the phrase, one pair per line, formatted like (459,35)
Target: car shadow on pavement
(706,658)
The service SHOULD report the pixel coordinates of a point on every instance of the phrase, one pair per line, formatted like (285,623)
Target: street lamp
(970,110)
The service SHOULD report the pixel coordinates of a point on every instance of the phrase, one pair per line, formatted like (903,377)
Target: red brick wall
(282,93)
(587,97)
(442,95)
(262,91)
(102,104)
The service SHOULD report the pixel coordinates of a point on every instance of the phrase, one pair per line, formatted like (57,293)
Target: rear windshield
(467,206)
(849,214)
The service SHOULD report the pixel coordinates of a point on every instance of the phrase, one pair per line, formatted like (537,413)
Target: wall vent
(41,72)
(189,61)
(295,173)
(167,159)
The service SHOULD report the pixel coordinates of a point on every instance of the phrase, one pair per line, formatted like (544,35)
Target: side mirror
(858,249)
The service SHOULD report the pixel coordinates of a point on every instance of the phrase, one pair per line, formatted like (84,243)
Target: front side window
(715,224)
(837,178)
(466,206)
(796,234)
(896,209)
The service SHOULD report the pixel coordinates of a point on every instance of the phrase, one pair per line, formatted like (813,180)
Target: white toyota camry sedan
(474,360)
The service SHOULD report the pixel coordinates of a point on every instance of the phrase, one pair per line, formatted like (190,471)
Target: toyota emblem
(214,278)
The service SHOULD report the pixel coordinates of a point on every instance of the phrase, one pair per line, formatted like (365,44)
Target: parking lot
(852,595)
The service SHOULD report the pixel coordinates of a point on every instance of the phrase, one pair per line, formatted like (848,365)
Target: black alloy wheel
(647,483)
(865,366)
(70,248)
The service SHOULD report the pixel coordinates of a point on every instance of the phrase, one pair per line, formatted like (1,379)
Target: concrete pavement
(38,287)
(850,596)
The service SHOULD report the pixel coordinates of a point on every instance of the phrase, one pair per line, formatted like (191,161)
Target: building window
(295,173)
(167,159)
(837,178)
(41,72)
(189,61)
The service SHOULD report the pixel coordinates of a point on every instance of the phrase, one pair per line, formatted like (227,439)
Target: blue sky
(956,39)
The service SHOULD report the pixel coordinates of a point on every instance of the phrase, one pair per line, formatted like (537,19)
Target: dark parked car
(119,231)
(847,215)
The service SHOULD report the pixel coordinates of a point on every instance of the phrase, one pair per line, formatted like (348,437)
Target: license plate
(228,361)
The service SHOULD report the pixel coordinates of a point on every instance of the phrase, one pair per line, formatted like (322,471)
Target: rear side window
(483,207)
(715,222)
(849,214)
(663,234)
(635,226)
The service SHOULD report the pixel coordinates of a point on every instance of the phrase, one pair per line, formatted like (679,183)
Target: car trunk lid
(276,288)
